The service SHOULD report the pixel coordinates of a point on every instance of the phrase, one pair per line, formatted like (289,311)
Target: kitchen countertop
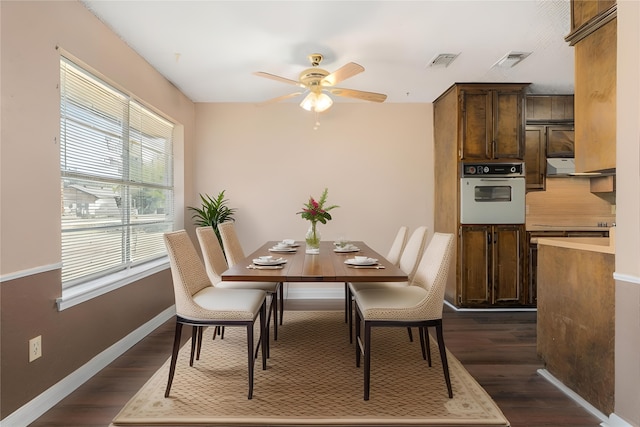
(546,227)
(593,244)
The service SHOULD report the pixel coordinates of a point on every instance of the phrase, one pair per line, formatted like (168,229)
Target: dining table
(326,266)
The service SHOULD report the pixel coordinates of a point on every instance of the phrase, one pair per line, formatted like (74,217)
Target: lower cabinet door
(474,265)
(491,265)
(508,262)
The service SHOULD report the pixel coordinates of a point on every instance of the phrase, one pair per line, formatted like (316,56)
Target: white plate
(347,250)
(274,249)
(368,261)
(277,261)
(293,245)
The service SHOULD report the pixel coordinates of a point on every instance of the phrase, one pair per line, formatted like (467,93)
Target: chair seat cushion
(360,286)
(229,304)
(397,303)
(270,287)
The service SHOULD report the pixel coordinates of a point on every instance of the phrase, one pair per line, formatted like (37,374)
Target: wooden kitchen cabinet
(532,255)
(549,108)
(541,142)
(466,118)
(583,11)
(594,37)
(490,265)
(492,122)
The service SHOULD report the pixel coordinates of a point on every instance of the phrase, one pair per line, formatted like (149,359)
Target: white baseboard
(574,396)
(47,400)
(616,421)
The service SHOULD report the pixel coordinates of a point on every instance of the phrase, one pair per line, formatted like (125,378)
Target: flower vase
(313,240)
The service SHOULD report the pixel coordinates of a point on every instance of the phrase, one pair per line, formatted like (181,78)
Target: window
(116,179)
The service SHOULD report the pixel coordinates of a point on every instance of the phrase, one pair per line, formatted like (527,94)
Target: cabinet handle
(489,238)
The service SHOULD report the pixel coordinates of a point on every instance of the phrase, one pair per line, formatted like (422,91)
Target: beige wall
(30,190)
(375,159)
(627,376)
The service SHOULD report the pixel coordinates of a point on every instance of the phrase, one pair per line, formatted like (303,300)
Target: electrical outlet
(35,348)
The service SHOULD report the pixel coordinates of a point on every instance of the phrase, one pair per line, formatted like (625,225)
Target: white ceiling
(209,49)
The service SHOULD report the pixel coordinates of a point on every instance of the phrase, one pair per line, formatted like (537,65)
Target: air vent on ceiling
(443,59)
(511,59)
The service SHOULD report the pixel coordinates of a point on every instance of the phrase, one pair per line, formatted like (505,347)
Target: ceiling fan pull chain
(317,125)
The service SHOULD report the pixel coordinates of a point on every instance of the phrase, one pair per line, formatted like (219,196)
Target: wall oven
(492,193)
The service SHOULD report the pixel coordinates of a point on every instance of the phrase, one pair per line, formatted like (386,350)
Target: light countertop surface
(594,244)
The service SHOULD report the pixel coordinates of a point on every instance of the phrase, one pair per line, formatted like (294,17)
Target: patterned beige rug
(312,380)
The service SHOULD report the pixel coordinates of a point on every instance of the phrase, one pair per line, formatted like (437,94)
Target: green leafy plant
(315,211)
(212,212)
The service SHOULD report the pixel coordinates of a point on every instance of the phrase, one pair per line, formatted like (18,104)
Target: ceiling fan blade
(277,78)
(342,73)
(359,94)
(281,98)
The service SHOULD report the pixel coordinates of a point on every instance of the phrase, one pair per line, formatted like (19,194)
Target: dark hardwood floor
(497,348)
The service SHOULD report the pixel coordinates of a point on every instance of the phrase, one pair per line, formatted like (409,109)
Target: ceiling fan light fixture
(317,102)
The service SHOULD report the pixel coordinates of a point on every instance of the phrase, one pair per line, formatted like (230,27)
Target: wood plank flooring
(497,348)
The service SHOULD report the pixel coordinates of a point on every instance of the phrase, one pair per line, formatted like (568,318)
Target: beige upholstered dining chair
(215,264)
(234,253)
(418,305)
(393,256)
(408,263)
(199,304)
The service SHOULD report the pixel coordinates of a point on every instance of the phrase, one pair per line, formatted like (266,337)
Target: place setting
(363,262)
(344,246)
(285,246)
(267,262)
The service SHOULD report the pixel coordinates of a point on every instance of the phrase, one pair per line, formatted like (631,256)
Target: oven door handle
(496,179)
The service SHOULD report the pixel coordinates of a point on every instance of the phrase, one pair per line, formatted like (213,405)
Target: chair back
(393,256)
(212,253)
(231,243)
(188,272)
(432,273)
(413,251)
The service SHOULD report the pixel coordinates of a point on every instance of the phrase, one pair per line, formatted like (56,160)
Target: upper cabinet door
(508,125)
(476,114)
(492,124)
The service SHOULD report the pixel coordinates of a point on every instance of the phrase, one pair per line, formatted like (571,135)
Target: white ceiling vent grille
(511,59)
(443,59)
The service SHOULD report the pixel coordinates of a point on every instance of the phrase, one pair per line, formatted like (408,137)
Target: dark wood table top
(327,266)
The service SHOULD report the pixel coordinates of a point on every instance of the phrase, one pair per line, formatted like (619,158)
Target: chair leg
(200,332)
(367,359)
(273,308)
(425,343)
(357,346)
(281,291)
(174,357)
(251,359)
(410,333)
(443,357)
(264,329)
(346,303)
(194,343)
(349,301)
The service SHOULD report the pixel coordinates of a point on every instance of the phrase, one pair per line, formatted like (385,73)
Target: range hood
(560,166)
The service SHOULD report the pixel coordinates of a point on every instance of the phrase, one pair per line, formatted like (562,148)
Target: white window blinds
(117,181)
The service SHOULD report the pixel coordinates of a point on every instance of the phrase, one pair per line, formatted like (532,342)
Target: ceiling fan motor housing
(313,76)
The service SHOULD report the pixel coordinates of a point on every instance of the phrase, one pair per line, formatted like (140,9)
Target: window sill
(95,288)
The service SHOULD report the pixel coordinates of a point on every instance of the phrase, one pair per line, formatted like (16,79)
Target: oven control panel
(493,169)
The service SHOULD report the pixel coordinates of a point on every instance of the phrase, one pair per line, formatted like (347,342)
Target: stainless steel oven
(492,193)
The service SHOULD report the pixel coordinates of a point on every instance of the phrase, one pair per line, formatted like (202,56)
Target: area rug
(312,380)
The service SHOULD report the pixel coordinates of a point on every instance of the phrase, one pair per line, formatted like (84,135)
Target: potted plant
(212,212)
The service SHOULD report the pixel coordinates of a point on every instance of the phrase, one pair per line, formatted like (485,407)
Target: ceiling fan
(317,82)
